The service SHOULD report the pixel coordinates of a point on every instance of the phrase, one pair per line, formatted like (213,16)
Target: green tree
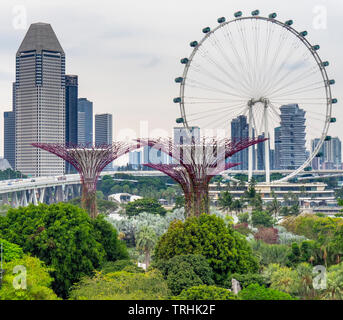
(179,202)
(274,206)
(10,251)
(61,235)
(226,250)
(225,201)
(38,281)
(145,242)
(204,292)
(257,292)
(144,205)
(261,219)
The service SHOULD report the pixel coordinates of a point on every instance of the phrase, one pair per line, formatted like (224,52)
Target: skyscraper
(135,159)
(86,107)
(331,154)
(185,136)
(103,131)
(9,137)
(292,140)
(154,156)
(277,147)
(239,131)
(39,100)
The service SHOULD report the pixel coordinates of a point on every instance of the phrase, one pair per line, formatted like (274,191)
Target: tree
(274,206)
(267,235)
(261,219)
(121,285)
(237,205)
(257,292)
(244,217)
(185,271)
(204,292)
(226,250)
(61,235)
(38,281)
(145,242)
(10,251)
(144,205)
(179,202)
(120,265)
(225,201)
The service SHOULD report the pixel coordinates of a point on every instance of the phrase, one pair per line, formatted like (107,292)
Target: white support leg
(250,150)
(266,143)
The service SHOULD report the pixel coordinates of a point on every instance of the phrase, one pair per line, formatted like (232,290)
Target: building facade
(85,126)
(104,131)
(239,131)
(39,101)
(329,155)
(9,137)
(135,159)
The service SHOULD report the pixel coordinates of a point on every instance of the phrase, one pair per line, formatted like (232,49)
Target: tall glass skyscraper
(331,154)
(104,131)
(239,131)
(9,137)
(39,100)
(85,125)
(292,139)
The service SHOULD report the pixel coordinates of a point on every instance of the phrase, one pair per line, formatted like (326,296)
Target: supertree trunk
(88,201)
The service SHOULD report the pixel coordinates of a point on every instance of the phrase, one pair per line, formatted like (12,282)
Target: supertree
(89,161)
(195,164)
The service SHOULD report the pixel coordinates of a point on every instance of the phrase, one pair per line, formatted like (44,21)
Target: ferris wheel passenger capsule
(272,15)
(316,47)
(255,13)
(304,33)
(206,30)
(238,14)
(289,22)
(319,154)
(177,100)
(328,138)
(332,81)
(179,80)
(333,120)
(221,20)
(325,64)
(184,60)
(180,120)
(334,100)
(193,44)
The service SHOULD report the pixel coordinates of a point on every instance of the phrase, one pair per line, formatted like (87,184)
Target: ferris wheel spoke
(217,109)
(307,88)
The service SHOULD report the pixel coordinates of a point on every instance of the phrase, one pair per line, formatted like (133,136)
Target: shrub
(267,235)
(247,279)
(257,292)
(204,292)
(38,281)
(261,219)
(119,265)
(144,205)
(121,285)
(226,250)
(244,217)
(185,271)
(271,253)
(10,251)
(243,228)
(63,236)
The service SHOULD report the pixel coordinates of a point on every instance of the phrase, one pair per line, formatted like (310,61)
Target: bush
(119,265)
(10,251)
(185,271)
(257,292)
(144,205)
(247,279)
(226,250)
(243,217)
(38,281)
(121,285)
(261,219)
(267,235)
(63,236)
(243,228)
(204,292)
(271,253)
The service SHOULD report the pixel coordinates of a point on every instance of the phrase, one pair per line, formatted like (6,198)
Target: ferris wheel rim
(317,59)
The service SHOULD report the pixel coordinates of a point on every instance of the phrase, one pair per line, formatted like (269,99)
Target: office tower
(185,136)
(154,156)
(272,159)
(292,145)
(135,159)
(71,115)
(331,154)
(9,137)
(81,137)
(260,154)
(86,107)
(103,131)
(39,101)
(239,131)
(277,147)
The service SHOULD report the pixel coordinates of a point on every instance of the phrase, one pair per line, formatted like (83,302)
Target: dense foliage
(10,251)
(144,205)
(64,237)
(121,285)
(10,174)
(226,250)
(38,280)
(204,292)
(257,292)
(261,219)
(103,206)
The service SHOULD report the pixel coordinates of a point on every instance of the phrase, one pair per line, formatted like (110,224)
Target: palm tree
(145,242)
(275,206)
(225,201)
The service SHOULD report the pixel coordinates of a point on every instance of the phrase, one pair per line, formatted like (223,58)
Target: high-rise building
(183,135)
(292,140)
(154,156)
(135,159)
(86,107)
(39,101)
(103,131)
(9,137)
(260,154)
(330,154)
(277,148)
(239,131)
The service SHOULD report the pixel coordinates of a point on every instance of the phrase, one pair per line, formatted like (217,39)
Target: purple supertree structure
(89,161)
(196,164)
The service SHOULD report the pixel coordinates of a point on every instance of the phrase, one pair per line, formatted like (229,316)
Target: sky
(127,52)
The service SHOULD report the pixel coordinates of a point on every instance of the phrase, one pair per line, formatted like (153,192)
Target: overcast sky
(127,52)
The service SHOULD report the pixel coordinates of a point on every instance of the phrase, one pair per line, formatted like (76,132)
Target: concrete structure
(123,197)
(85,124)
(292,140)
(39,100)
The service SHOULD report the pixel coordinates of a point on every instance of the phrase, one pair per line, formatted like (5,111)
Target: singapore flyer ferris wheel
(265,72)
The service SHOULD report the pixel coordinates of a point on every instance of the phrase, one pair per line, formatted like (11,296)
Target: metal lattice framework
(196,164)
(89,161)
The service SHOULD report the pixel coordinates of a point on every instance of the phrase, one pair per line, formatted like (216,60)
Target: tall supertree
(89,161)
(195,164)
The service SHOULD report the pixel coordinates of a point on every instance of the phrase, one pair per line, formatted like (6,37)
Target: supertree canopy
(195,164)
(89,161)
